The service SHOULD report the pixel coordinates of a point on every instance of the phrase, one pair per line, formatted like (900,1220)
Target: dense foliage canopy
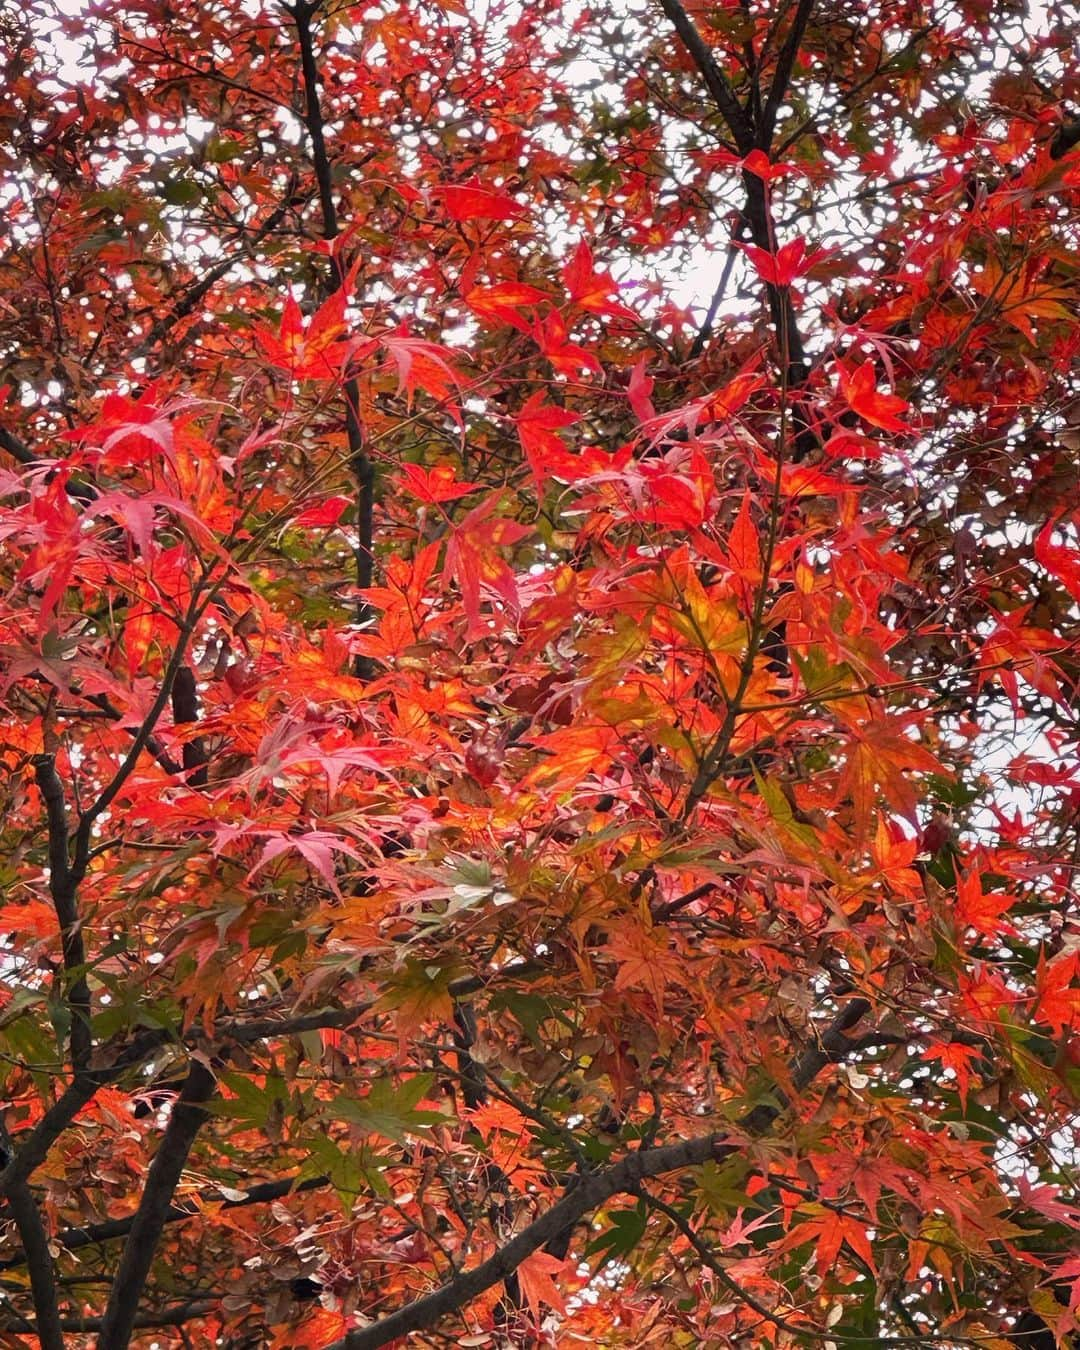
(539,652)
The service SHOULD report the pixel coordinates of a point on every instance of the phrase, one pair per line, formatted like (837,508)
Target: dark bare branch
(716,82)
(16,448)
(1066,138)
(36,1257)
(782,75)
(185,707)
(185,1121)
(139,743)
(363,468)
(176,1316)
(62,888)
(756,213)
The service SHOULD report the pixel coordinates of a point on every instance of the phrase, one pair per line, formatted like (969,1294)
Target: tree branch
(782,76)
(153,745)
(35,1147)
(756,212)
(716,82)
(176,1316)
(185,1121)
(37,1257)
(139,743)
(591,1191)
(664,912)
(194,295)
(707,1257)
(62,888)
(362,467)
(266,1028)
(16,448)
(185,707)
(705,332)
(1065,138)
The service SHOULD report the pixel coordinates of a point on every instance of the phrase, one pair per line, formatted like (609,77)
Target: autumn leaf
(424,365)
(785,265)
(34,917)
(502,302)
(1058,992)
(536,1275)
(566,356)
(981,911)
(829,1231)
(316,847)
(958,1057)
(1060,560)
(877,760)
(861,392)
(537,425)
(438,484)
(473,201)
(326,513)
(473,557)
(1024,293)
(590,289)
(312,349)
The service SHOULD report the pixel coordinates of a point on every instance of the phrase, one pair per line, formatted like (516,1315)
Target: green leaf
(822,676)
(391,1110)
(626,1231)
(722,1185)
(530,1011)
(253,1102)
(781,812)
(343,1167)
(181,192)
(949,793)
(220,152)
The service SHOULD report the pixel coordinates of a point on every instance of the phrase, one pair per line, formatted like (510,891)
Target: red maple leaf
(785,265)
(472,201)
(861,391)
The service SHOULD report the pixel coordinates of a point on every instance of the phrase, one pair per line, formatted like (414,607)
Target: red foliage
(535,812)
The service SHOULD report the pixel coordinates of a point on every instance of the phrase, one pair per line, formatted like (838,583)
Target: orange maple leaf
(535,1276)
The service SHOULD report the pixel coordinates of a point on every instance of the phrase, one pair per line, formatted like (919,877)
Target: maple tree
(537,810)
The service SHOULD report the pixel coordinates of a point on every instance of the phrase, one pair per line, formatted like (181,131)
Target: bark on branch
(37,1258)
(782,76)
(732,111)
(176,1316)
(362,466)
(185,1121)
(62,888)
(17,449)
(1065,139)
(747,136)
